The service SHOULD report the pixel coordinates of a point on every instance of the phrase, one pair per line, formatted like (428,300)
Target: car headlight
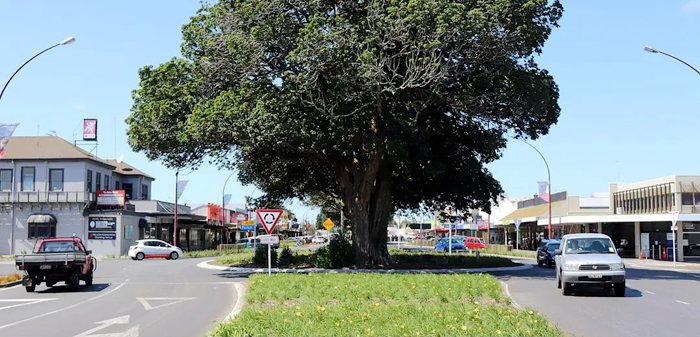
(617,266)
(570,266)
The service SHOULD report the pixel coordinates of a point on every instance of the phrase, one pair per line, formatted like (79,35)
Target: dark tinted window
(552,247)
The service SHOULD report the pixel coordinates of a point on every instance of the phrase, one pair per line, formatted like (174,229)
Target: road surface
(127,299)
(656,303)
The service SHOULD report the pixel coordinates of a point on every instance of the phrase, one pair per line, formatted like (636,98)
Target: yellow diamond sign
(328,224)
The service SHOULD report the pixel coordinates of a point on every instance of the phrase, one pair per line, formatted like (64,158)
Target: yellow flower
(337,324)
(298,308)
(476,309)
(376,304)
(298,314)
(530,312)
(476,303)
(323,308)
(464,328)
(402,326)
(498,332)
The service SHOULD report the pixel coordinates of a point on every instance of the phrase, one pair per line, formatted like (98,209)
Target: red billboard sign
(89,129)
(111,198)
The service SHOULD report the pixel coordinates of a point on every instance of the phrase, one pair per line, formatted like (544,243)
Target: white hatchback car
(150,248)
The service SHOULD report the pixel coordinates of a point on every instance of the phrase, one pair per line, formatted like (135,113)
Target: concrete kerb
(207,265)
(10,284)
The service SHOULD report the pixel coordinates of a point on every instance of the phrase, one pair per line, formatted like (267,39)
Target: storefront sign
(102,224)
(689,226)
(102,236)
(248,228)
(111,198)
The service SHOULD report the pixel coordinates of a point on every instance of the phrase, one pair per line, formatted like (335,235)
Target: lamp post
(674,228)
(549,186)
(223,201)
(656,51)
(175,242)
(66,41)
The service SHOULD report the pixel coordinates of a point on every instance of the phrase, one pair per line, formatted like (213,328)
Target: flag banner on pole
(181,187)
(227,198)
(543,190)
(6,131)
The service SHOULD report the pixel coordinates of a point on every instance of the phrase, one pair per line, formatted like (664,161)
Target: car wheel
(140,256)
(30,288)
(619,289)
(549,264)
(73,282)
(539,263)
(566,289)
(88,280)
(174,256)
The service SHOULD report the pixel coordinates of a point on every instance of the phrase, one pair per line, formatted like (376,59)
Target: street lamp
(656,51)
(223,200)
(66,41)
(549,186)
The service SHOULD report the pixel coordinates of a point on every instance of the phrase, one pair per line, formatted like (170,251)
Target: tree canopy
(384,105)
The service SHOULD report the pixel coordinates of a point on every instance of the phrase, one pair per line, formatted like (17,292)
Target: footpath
(684,267)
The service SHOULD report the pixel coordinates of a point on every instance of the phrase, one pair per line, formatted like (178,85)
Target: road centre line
(681,302)
(62,309)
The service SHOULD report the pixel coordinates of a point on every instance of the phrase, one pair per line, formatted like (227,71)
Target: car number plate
(45,266)
(595,276)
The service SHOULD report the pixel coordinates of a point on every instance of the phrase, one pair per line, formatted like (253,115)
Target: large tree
(383,105)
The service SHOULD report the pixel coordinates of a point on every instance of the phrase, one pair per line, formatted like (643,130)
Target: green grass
(381,305)
(443,260)
(502,250)
(236,258)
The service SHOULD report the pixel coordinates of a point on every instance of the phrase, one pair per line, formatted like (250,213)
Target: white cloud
(691,7)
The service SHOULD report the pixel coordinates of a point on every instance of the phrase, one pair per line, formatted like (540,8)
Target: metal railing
(46,197)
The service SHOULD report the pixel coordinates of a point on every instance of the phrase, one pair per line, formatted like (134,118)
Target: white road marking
(240,295)
(649,292)
(515,304)
(62,309)
(23,302)
(8,288)
(169,301)
(133,332)
(681,302)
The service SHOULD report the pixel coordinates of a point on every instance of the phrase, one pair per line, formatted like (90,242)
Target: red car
(474,243)
(57,260)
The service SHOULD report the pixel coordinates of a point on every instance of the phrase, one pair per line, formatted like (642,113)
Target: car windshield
(57,247)
(552,247)
(589,246)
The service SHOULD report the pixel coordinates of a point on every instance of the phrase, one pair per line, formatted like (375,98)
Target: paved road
(128,299)
(656,303)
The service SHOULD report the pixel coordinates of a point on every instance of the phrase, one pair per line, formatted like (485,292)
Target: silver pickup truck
(55,260)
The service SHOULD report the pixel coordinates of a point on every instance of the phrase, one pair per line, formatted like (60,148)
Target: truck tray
(50,258)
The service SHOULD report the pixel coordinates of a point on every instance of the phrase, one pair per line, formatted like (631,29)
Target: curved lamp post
(656,51)
(66,41)
(549,186)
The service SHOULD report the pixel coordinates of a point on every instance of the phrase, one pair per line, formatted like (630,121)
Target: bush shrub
(338,254)
(285,257)
(260,257)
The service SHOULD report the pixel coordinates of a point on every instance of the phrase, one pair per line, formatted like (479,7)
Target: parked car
(318,239)
(589,259)
(57,260)
(151,248)
(442,244)
(474,243)
(545,252)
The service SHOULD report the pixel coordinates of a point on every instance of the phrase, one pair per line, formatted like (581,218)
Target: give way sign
(269,218)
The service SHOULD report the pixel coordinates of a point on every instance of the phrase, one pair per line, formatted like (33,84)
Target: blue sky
(626,115)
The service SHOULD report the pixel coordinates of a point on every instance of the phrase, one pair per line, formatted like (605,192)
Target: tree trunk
(367,194)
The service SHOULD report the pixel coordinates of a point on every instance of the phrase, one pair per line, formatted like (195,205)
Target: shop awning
(41,218)
(530,214)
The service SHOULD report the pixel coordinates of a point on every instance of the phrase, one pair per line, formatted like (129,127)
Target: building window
(28,175)
(106,182)
(5,180)
(144,192)
(88,181)
(690,199)
(42,230)
(98,181)
(117,185)
(128,190)
(55,180)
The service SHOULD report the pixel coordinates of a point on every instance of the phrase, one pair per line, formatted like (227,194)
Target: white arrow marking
(24,302)
(172,300)
(110,322)
(133,332)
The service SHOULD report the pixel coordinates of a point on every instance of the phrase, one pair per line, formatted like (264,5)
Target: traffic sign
(328,224)
(248,222)
(269,218)
(269,239)
(248,228)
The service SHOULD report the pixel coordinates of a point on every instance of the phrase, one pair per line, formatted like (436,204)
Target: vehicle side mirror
(619,251)
(557,252)
(89,252)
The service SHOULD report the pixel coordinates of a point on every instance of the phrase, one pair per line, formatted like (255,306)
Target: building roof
(126,169)
(44,148)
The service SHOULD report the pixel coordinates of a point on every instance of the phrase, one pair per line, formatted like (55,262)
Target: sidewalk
(688,267)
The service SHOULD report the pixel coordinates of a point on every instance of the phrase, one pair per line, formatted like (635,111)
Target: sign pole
(673,233)
(517,234)
(269,259)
